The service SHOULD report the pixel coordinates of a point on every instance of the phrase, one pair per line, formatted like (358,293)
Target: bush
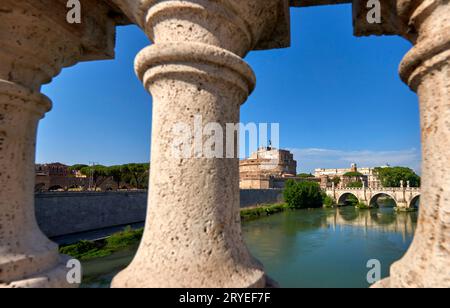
(362,206)
(254,213)
(303,195)
(79,249)
(328,202)
(124,239)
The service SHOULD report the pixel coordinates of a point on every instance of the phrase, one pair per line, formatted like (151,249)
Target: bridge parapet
(416,189)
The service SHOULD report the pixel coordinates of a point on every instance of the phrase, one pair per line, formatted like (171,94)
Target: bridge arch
(375,197)
(343,198)
(415,202)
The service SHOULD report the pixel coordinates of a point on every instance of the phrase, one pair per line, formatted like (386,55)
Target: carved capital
(36,42)
(235,25)
(430,19)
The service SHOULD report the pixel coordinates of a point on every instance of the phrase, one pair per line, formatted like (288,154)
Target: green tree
(392,176)
(353,174)
(302,195)
(137,175)
(98,173)
(117,173)
(336,180)
(77,167)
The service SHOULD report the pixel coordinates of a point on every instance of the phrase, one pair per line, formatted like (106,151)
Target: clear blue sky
(338,100)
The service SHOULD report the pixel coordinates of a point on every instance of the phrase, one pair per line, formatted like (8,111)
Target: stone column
(193,234)
(35,43)
(24,250)
(426,69)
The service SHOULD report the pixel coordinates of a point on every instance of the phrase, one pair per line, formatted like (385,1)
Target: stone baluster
(35,43)
(426,69)
(193,235)
(24,250)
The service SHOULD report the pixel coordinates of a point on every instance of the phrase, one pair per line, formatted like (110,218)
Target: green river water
(307,248)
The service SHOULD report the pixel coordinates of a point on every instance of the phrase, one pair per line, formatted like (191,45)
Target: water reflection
(308,248)
(329,248)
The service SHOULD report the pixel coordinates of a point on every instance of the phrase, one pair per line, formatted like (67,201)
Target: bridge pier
(402,204)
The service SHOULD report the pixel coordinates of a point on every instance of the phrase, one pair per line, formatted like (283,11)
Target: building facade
(59,177)
(366,175)
(269,168)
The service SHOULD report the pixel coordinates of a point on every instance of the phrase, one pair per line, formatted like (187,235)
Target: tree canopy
(99,174)
(137,174)
(391,176)
(353,174)
(134,175)
(336,180)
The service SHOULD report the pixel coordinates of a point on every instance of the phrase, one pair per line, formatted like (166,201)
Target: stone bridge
(403,197)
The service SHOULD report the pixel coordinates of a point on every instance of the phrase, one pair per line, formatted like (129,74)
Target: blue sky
(338,100)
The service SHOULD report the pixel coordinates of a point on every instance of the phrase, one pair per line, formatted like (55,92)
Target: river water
(308,248)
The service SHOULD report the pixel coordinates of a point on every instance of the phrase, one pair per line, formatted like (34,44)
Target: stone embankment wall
(64,213)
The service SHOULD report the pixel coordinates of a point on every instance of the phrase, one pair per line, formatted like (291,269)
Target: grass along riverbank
(88,250)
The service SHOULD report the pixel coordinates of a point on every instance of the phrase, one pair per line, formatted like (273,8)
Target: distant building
(59,177)
(368,176)
(268,168)
(54,169)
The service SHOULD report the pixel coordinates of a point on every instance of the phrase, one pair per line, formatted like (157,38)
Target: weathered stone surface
(403,197)
(426,69)
(36,43)
(63,213)
(391,22)
(317,2)
(193,233)
(267,25)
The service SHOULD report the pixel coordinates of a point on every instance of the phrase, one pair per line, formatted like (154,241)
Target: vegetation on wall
(358,184)
(392,176)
